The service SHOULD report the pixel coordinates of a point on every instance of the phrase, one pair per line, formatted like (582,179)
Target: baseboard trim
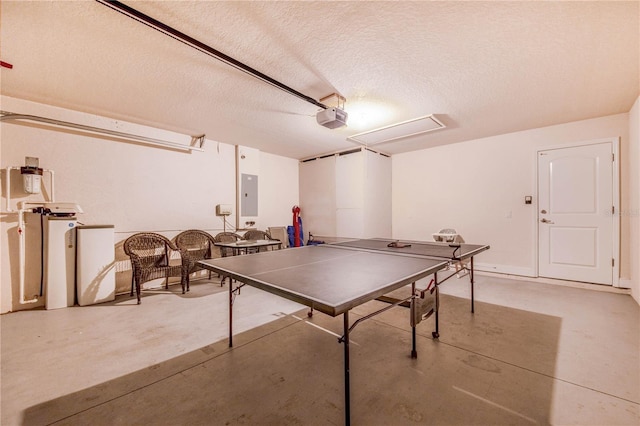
(504,269)
(563,283)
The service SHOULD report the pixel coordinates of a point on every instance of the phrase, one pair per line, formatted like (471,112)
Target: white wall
(278,191)
(478,187)
(633,209)
(132,186)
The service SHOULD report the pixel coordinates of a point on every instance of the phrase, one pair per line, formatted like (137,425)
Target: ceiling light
(366,114)
(397,131)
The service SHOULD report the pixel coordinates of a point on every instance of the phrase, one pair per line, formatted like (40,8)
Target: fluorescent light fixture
(401,130)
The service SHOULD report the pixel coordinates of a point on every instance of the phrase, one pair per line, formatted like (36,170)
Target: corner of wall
(634,198)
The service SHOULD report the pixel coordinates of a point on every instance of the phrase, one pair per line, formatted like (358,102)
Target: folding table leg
(347,386)
(471,278)
(436,333)
(232,294)
(414,352)
(230,312)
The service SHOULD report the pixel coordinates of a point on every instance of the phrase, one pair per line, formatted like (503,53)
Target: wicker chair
(195,245)
(226,237)
(254,234)
(150,259)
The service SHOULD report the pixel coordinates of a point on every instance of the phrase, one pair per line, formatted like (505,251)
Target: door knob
(545,221)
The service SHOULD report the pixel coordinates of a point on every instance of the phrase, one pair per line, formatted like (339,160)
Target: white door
(575,213)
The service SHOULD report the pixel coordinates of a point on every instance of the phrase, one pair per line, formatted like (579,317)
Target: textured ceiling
(483,68)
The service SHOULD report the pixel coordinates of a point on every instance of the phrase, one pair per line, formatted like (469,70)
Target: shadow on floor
(491,367)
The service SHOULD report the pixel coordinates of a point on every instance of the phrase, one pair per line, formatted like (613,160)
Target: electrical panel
(249,196)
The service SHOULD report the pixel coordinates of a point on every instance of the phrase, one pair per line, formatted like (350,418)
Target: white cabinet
(95,270)
(347,195)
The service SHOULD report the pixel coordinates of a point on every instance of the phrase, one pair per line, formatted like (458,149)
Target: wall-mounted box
(223,210)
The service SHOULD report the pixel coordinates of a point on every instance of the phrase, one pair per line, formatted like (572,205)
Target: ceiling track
(199,140)
(202,47)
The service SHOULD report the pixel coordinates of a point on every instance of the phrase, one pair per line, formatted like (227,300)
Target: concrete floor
(532,353)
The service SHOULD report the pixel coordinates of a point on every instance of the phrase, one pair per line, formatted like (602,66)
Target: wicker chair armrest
(172,245)
(187,256)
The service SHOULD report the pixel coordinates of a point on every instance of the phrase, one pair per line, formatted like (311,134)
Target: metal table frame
(245,245)
(457,253)
(257,270)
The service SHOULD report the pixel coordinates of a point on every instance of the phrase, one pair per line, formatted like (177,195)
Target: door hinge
(613,263)
(613,209)
(613,157)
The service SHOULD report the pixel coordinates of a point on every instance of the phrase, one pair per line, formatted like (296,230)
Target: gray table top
(329,279)
(431,249)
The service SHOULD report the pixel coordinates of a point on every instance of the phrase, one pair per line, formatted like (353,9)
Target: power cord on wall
(225,222)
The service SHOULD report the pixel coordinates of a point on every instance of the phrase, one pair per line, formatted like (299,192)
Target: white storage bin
(95,264)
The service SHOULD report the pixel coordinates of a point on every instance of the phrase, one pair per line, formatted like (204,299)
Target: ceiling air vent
(396,131)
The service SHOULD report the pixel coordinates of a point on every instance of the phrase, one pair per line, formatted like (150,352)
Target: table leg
(436,333)
(471,277)
(347,386)
(414,352)
(230,312)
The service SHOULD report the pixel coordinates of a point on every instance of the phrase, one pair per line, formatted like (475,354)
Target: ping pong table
(459,257)
(332,279)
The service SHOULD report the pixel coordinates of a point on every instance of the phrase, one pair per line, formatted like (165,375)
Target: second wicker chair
(195,245)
